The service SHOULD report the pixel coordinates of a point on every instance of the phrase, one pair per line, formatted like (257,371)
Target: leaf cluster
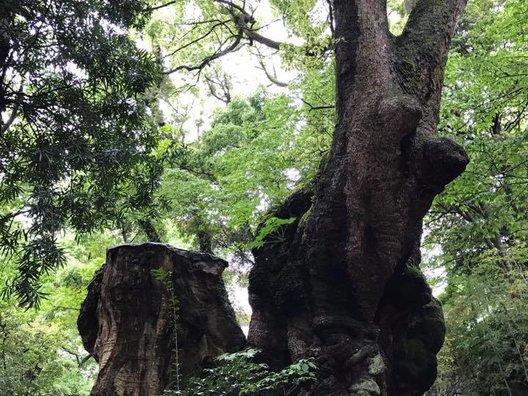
(254,155)
(40,350)
(236,374)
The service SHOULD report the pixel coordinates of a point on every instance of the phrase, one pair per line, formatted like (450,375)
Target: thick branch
(433,20)
(362,50)
(245,21)
(362,26)
(160,6)
(14,111)
(424,44)
(254,36)
(4,53)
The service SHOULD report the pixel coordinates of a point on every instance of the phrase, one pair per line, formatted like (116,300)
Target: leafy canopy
(75,134)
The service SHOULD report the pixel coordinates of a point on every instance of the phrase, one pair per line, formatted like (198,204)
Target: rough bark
(128,324)
(344,284)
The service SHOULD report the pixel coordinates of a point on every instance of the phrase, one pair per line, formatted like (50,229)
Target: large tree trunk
(343,284)
(155,316)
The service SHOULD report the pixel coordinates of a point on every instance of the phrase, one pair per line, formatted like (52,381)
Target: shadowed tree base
(394,354)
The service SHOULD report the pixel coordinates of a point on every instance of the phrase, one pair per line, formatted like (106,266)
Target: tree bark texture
(342,283)
(146,299)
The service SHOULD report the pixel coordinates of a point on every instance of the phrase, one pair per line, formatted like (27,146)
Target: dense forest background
(134,123)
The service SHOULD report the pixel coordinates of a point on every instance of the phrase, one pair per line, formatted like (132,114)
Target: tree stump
(155,316)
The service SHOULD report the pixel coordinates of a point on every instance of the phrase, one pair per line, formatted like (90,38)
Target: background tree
(40,350)
(75,136)
(220,186)
(479,222)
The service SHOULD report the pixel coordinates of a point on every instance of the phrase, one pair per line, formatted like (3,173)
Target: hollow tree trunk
(343,283)
(155,316)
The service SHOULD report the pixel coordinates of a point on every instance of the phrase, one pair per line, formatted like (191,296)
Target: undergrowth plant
(238,375)
(165,277)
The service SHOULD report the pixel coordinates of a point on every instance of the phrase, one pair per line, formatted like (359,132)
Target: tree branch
(322,107)
(432,19)
(424,44)
(271,77)
(245,21)
(80,360)
(13,115)
(219,82)
(363,48)
(254,36)
(196,40)
(331,21)
(206,61)
(154,8)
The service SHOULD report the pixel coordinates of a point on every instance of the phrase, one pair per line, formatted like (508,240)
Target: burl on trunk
(342,283)
(146,299)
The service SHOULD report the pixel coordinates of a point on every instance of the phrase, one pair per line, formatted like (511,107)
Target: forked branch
(206,61)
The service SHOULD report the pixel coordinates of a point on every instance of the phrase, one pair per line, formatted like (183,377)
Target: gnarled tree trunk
(155,316)
(343,282)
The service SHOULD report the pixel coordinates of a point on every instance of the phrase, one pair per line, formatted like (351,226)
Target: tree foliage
(236,374)
(254,155)
(75,135)
(80,149)
(480,221)
(40,350)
